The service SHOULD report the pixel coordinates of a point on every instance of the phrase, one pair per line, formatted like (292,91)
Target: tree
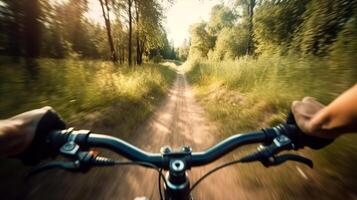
(139,47)
(149,31)
(106,15)
(130,15)
(11,25)
(275,24)
(221,17)
(55,44)
(60,29)
(32,28)
(248,13)
(322,21)
(184,50)
(201,41)
(231,43)
(343,52)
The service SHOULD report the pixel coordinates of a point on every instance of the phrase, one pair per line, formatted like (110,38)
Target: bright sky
(185,13)
(180,16)
(95,11)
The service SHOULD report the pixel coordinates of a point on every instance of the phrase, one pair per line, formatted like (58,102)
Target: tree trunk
(32,35)
(123,54)
(106,16)
(251,6)
(130,32)
(141,51)
(138,50)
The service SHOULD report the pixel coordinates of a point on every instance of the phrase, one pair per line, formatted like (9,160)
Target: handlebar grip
(41,147)
(60,137)
(301,139)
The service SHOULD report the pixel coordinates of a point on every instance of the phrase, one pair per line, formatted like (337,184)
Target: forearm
(338,117)
(11,141)
(17,132)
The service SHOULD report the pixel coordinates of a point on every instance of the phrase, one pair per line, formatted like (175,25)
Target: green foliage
(150,26)
(220,38)
(221,17)
(230,44)
(275,25)
(302,27)
(183,51)
(322,21)
(201,40)
(343,51)
(60,29)
(157,58)
(165,50)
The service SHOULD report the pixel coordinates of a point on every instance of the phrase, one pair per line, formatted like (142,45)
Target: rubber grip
(41,148)
(301,139)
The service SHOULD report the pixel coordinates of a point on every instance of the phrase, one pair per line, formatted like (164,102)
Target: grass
(86,93)
(249,94)
(89,94)
(264,85)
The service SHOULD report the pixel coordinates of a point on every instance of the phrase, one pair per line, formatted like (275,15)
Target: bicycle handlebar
(87,139)
(123,148)
(228,145)
(196,158)
(75,144)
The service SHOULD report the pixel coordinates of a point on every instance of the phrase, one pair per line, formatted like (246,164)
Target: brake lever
(71,166)
(82,160)
(279,144)
(268,155)
(277,160)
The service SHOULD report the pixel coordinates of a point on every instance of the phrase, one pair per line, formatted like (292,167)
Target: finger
(294,106)
(302,122)
(298,108)
(48,108)
(308,99)
(313,101)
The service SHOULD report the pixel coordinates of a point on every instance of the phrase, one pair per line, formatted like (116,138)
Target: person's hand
(308,114)
(304,111)
(313,118)
(18,132)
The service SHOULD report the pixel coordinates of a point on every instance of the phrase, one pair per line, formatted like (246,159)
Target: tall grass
(85,91)
(249,94)
(264,85)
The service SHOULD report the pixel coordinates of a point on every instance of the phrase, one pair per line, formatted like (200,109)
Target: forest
(246,63)
(282,27)
(132,30)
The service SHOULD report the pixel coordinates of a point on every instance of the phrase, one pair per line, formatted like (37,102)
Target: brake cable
(267,155)
(159,183)
(76,166)
(212,171)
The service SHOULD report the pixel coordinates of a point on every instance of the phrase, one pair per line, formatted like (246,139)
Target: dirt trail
(178,121)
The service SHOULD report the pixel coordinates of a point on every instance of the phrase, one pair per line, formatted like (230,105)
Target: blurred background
(95,61)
